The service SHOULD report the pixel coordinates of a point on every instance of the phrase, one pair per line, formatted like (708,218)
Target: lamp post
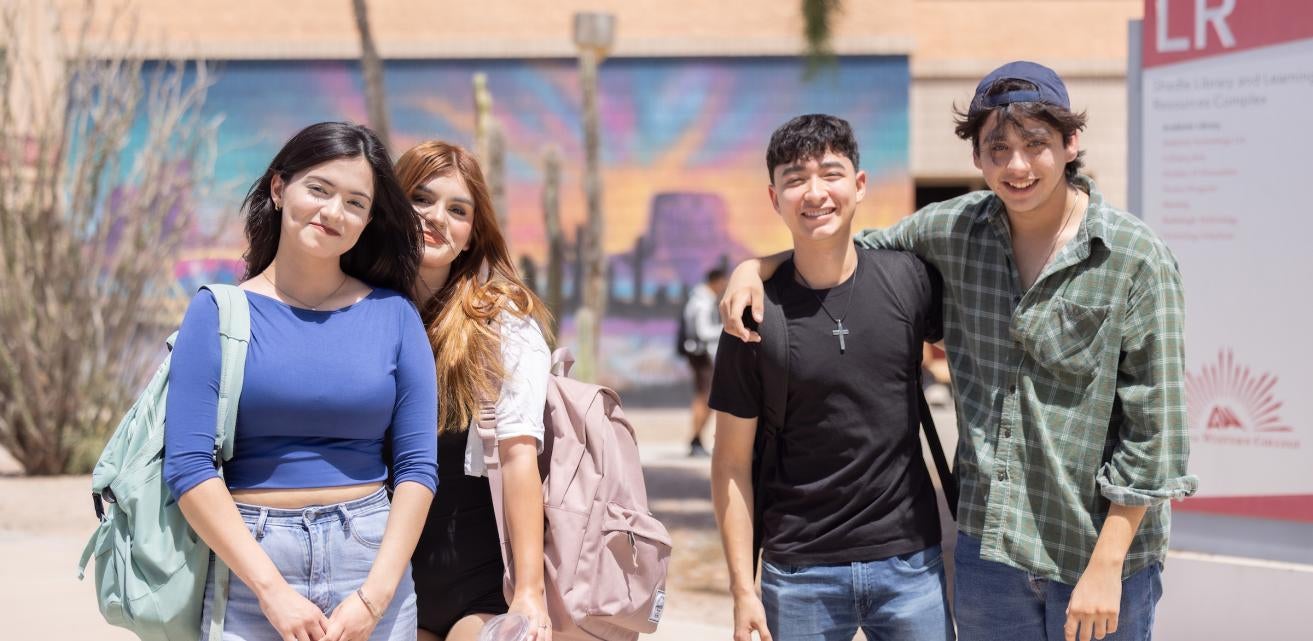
(593,36)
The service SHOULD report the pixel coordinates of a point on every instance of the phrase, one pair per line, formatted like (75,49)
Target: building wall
(956,32)
(682,163)
(942,47)
(950,44)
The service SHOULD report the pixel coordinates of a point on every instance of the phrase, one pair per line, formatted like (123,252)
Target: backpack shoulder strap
(234,336)
(773,359)
(947,480)
(773,366)
(485,429)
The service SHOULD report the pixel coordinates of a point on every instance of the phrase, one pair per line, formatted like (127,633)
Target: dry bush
(90,225)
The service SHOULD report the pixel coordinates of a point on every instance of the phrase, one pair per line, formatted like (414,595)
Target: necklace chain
(839,330)
(1054,245)
(847,308)
(313,308)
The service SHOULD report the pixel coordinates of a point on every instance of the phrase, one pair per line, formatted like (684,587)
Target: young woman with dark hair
(487,331)
(337,368)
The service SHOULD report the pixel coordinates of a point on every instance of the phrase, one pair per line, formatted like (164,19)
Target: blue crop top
(322,391)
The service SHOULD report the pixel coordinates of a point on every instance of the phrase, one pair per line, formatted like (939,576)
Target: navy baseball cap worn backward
(1049,88)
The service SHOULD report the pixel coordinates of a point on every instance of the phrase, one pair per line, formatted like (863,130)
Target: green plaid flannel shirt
(1070,395)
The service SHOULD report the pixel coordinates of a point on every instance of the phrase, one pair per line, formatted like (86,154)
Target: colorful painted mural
(683,155)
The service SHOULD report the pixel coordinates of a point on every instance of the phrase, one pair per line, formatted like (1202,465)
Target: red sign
(1182,30)
(1294,507)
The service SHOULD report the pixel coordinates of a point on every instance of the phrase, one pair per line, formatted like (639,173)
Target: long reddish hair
(461,317)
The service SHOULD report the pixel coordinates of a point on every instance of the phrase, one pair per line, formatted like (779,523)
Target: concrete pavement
(44,523)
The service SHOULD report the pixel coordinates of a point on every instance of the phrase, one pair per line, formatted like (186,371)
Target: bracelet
(373,611)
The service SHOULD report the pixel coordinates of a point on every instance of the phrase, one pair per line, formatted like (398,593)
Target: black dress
(457,565)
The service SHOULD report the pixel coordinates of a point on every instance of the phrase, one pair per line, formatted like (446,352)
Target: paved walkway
(44,523)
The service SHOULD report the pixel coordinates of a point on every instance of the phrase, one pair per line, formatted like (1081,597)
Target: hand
(744,289)
(534,608)
(1095,603)
(749,615)
(351,620)
(292,615)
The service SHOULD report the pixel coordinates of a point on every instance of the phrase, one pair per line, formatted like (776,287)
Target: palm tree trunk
(371,67)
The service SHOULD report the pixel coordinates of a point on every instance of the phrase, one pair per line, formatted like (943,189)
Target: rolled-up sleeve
(527,363)
(414,430)
(1148,463)
(526,366)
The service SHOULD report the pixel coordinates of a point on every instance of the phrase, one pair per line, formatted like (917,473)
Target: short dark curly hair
(810,136)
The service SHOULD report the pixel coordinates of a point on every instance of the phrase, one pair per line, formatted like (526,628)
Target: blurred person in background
(699,336)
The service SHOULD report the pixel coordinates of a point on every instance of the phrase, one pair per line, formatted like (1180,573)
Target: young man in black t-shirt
(851,527)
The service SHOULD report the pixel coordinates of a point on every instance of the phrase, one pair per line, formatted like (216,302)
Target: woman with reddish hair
(487,330)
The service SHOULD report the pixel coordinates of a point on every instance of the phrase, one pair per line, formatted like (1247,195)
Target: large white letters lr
(1216,15)
(1203,16)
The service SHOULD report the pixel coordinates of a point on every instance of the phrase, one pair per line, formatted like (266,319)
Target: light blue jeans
(997,602)
(324,552)
(901,598)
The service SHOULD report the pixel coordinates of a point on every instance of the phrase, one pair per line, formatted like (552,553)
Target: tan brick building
(949,44)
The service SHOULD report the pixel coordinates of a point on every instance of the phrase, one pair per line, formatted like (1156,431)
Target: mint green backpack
(150,565)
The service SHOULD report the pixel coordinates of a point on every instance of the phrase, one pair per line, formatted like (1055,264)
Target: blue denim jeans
(993,601)
(324,552)
(901,598)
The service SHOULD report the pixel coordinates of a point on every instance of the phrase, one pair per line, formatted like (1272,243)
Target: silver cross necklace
(839,330)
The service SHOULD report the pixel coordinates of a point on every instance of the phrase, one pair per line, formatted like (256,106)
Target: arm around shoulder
(746,291)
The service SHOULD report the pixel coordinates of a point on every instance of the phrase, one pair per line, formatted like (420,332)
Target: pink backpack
(606,555)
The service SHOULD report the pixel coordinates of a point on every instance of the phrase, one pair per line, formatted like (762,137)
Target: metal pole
(1135,119)
(589,318)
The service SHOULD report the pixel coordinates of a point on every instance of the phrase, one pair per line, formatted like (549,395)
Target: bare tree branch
(88,231)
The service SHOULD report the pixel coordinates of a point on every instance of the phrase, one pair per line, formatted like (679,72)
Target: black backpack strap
(773,360)
(947,480)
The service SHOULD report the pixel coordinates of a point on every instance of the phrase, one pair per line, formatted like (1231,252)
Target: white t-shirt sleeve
(527,362)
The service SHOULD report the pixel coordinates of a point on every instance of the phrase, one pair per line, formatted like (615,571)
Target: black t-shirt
(851,484)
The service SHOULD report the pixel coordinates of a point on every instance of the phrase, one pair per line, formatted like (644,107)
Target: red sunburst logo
(1225,396)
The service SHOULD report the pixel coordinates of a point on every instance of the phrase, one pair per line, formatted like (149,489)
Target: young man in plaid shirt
(1063,323)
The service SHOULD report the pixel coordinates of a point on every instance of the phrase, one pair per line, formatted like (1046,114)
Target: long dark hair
(389,249)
